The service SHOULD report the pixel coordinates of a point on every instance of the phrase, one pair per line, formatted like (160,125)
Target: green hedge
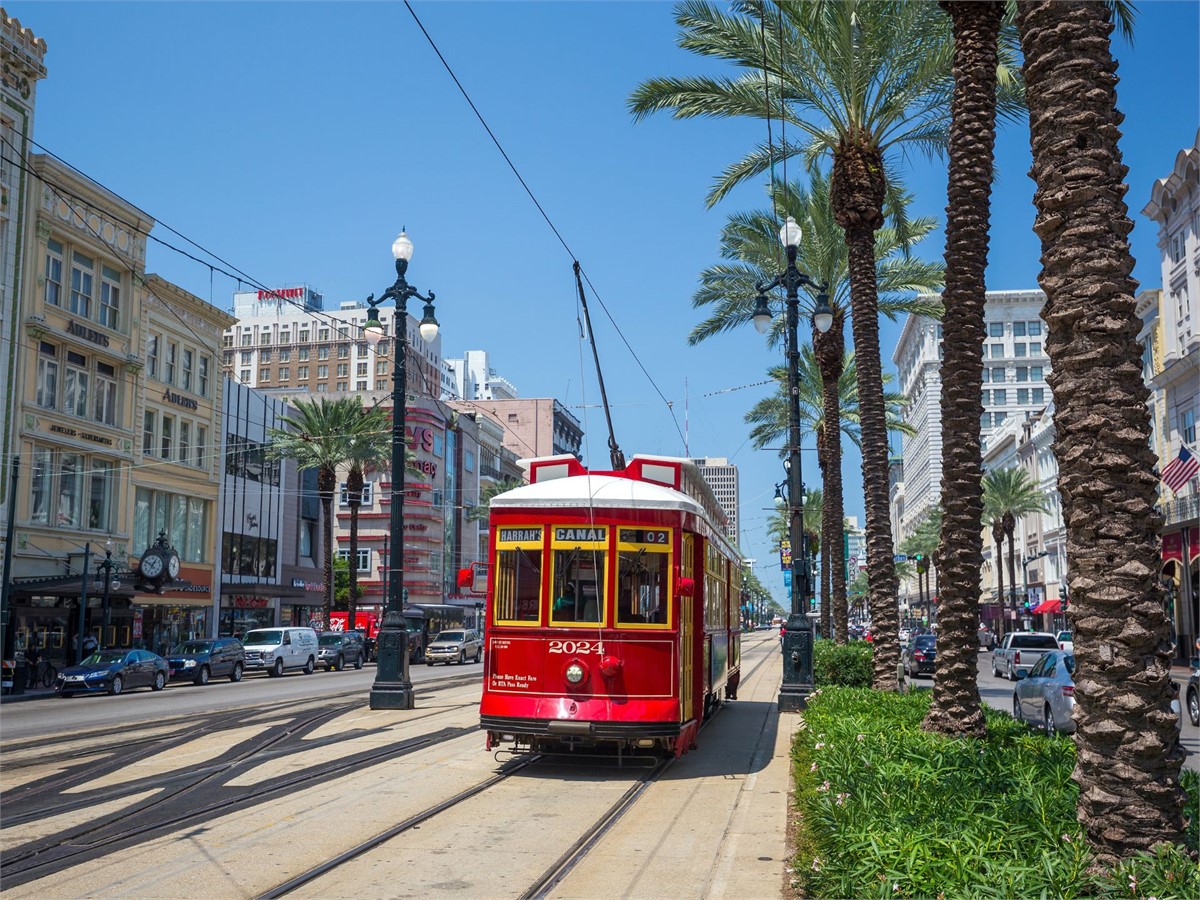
(889,810)
(848,665)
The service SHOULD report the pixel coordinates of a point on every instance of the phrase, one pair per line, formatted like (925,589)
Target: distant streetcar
(612,608)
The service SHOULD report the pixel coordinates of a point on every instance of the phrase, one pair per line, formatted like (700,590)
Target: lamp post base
(392,696)
(797,664)
(794,697)
(392,688)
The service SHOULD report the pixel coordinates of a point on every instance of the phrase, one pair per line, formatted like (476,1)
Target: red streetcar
(612,608)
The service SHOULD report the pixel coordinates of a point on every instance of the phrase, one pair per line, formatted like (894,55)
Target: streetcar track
(72,853)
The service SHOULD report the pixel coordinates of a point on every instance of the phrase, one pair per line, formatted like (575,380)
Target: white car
(1066,641)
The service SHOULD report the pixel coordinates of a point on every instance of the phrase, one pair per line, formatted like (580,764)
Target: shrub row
(889,810)
(848,665)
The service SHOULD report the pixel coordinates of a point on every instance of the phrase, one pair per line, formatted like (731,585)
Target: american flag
(1180,470)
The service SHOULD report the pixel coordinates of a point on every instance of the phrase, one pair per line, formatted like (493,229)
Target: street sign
(900,557)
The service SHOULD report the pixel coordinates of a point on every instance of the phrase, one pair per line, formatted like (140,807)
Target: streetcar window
(578,585)
(518,585)
(642,587)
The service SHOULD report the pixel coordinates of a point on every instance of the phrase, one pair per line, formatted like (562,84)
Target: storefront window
(141,520)
(100,499)
(196,529)
(39,498)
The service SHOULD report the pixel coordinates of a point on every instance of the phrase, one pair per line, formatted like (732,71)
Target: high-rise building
(723,479)
(1015,366)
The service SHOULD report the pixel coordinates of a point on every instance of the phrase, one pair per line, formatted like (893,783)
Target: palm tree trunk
(830,350)
(326,483)
(857,188)
(956,708)
(1009,531)
(1128,762)
(823,463)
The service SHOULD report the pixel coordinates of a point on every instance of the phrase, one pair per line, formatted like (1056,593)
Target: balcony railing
(1180,510)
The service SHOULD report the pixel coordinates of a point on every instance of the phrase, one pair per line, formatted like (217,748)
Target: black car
(200,660)
(919,655)
(112,671)
(336,648)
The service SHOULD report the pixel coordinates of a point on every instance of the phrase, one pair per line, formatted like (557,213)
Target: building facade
(21,68)
(176,482)
(76,404)
(723,479)
(535,427)
(1173,360)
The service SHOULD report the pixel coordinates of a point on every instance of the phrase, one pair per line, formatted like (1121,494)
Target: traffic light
(922,563)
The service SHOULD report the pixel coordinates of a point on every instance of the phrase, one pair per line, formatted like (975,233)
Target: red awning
(1048,606)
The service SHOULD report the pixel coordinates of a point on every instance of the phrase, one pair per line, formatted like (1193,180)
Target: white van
(278,649)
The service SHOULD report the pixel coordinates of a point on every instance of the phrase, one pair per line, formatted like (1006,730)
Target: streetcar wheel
(202,675)
(236,675)
(118,685)
(160,681)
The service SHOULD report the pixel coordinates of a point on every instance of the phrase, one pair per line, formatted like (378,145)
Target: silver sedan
(1046,697)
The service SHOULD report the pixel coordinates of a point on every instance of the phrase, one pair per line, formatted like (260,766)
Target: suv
(336,648)
(454,646)
(197,661)
(277,649)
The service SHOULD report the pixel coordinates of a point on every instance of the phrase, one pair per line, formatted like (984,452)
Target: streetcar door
(687,684)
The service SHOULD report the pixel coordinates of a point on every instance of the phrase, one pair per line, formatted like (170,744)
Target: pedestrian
(90,644)
(32,657)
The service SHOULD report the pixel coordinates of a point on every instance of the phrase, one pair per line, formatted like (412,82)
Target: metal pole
(87,562)
(798,636)
(7,613)
(392,688)
(107,567)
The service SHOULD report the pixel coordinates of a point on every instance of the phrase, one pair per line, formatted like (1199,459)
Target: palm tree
(481,510)
(369,447)
(956,707)
(769,418)
(906,284)
(1128,762)
(316,438)
(1008,493)
(858,79)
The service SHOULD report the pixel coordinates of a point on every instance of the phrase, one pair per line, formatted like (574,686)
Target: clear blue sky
(295,139)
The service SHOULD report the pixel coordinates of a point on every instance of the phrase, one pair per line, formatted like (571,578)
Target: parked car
(987,638)
(919,655)
(112,671)
(1046,697)
(1019,651)
(1192,695)
(275,650)
(1066,641)
(454,646)
(198,661)
(905,636)
(336,648)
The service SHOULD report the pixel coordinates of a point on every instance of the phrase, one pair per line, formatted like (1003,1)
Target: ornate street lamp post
(798,632)
(393,688)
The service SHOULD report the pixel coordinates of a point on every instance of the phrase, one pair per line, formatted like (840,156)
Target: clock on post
(159,565)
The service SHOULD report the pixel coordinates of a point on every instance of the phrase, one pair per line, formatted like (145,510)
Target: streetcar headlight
(575,673)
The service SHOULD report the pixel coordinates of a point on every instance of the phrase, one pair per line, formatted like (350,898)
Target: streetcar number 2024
(577,647)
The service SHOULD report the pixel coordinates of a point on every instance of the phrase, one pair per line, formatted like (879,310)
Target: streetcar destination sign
(520,534)
(580,534)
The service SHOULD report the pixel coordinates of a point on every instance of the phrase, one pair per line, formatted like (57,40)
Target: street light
(393,688)
(107,566)
(798,632)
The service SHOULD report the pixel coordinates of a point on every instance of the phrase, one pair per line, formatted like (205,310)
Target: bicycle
(44,674)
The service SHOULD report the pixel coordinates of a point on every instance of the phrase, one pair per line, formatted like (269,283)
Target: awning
(1048,606)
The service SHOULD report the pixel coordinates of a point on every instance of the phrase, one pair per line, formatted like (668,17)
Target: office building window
(185,441)
(360,369)
(343,386)
(69,507)
(168,433)
(75,385)
(247,357)
(364,558)
(343,370)
(1187,426)
(152,355)
(188,360)
(381,368)
(284,373)
(1035,373)
(105,408)
(1018,329)
(1035,328)
(47,375)
(169,366)
(381,384)
(999,398)
(995,329)
(184,519)
(303,354)
(323,352)
(322,387)
(344,495)
(82,275)
(244,376)
(343,351)
(1022,373)
(202,385)
(264,356)
(110,297)
(322,372)
(201,447)
(54,273)
(360,385)
(265,338)
(1019,349)
(302,373)
(285,355)
(998,419)
(246,339)
(1035,348)
(1022,396)
(998,374)
(997,351)
(1039,395)
(264,374)
(322,334)
(304,338)
(149,423)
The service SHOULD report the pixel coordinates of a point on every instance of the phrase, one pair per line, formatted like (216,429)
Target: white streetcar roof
(597,491)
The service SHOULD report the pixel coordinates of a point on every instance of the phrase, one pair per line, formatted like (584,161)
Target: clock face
(173,565)
(152,564)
